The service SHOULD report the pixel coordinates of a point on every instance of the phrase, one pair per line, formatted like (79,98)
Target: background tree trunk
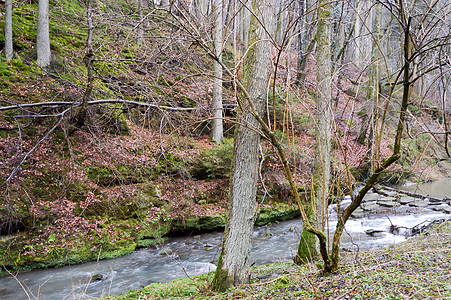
(235,259)
(43,40)
(140,26)
(9,29)
(217,124)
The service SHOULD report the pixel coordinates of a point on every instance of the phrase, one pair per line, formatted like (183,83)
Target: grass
(419,268)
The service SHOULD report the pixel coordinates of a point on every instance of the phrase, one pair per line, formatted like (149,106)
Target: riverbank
(130,235)
(419,268)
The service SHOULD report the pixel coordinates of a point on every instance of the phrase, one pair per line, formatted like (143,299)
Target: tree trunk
(43,40)
(321,174)
(363,38)
(140,26)
(235,259)
(9,29)
(217,124)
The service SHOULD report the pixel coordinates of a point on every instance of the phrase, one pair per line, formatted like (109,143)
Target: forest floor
(419,268)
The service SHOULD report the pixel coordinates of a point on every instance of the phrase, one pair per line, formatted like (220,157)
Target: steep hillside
(99,182)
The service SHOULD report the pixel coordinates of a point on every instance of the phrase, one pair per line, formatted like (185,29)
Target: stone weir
(382,198)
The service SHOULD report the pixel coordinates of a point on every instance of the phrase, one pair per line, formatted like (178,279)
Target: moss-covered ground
(419,268)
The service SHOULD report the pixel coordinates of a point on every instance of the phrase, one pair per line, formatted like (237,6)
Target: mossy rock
(200,224)
(281,213)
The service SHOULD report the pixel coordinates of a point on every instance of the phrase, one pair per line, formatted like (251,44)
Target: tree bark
(217,124)
(9,29)
(363,38)
(321,173)
(43,39)
(140,26)
(235,259)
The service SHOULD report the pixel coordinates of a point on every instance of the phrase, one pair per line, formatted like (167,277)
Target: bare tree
(43,39)
(235,260)
(9,29)
(217,122)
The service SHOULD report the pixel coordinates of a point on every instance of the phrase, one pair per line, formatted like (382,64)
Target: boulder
(98,277)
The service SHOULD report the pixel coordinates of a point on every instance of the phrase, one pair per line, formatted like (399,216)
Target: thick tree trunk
(235,259)
(43,40)
(9,29)
(321,174)
(217,124)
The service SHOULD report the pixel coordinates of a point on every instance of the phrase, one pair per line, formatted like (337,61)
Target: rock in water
(419,203)
(373,232)
(406,200)
(388,202)
(98,277)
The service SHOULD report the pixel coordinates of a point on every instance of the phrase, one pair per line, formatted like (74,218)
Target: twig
(8,180)
(20,283)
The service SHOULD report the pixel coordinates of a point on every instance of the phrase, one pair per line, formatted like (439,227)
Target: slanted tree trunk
(43,40)
(321,173)
(235,260)
(9,29)
(217,124)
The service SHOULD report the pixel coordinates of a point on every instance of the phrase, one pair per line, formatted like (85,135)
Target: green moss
(281,212)
(203,223)
(307,251)
(221,281)
(282,282)
(216,162)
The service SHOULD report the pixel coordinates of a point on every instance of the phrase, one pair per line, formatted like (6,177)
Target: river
(197,254)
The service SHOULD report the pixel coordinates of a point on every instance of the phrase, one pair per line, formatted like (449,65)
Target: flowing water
(195,255)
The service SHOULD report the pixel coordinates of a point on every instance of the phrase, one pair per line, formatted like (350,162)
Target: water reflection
(440,188)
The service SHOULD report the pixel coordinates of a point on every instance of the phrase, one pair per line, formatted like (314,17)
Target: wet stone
(373,232)
(166,251)
(358,213)
(443,208)
(98,277)
(389,198)
(388,202)
(371,197)
(209,247)
(389,193)
(406,200)
(369,206)
(419,203)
